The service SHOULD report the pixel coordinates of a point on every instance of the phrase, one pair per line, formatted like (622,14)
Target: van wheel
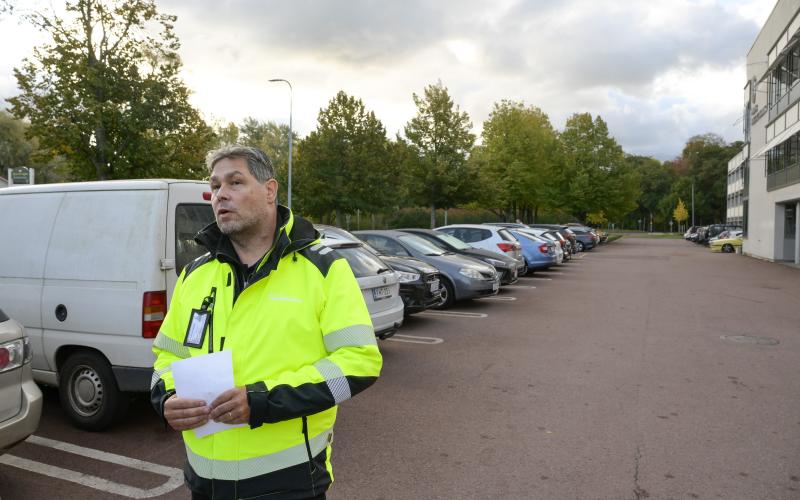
(88,391)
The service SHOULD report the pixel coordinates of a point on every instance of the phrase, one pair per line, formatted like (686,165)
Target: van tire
(89,393)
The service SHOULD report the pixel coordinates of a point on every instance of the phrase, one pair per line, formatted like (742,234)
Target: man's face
(241,204)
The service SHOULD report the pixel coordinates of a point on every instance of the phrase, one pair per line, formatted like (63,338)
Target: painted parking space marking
(454,314)
(518,287)
(548,273)
(539,279)
(498,298)
(413,339)
(174,476)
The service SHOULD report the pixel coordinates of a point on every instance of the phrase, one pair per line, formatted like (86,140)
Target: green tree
(345,164)
(596,176)
(15,148)
(518,161)
(106,94)
(441,139)
(656,180)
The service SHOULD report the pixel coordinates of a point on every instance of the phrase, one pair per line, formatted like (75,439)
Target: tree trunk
(433,216)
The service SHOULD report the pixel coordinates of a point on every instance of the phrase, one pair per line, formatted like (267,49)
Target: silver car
(20,397)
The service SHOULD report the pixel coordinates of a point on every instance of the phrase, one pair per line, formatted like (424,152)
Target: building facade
(769,164)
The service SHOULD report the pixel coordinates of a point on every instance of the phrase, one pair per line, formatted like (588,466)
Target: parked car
(586,240)
(564,245)
(379,284)
(538,253)
(462,277)
(707,232)
(20,397)
(420,283)
(93,271)
(564,232)
(507,267)
(692,231)
(726,245)
(494,239)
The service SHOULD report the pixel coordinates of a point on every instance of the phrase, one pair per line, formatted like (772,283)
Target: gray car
(462,277)
(20,397)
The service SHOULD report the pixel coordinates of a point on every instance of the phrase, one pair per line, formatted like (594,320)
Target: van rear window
(189,219)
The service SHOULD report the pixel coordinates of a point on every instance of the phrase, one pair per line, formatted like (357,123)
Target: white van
(88,268)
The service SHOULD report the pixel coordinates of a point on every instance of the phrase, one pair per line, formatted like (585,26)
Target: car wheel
(88,391)
(727,248)
(448,294)
(579,246)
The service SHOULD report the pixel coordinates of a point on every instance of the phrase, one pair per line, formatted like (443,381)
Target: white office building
(769,164)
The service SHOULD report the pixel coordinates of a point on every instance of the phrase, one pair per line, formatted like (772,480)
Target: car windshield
(421,245)
(452,241)
(362,262)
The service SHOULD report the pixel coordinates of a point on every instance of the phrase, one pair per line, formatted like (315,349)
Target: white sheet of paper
(205,377)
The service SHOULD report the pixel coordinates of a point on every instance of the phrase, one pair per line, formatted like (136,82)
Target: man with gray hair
(291,312)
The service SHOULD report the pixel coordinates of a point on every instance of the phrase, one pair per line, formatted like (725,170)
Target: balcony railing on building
(786,177)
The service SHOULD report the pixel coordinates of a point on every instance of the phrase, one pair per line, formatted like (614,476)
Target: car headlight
(13,354)
(496,263)
(404,277)
(471,272)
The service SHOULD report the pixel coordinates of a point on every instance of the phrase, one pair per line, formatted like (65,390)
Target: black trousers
(200,496)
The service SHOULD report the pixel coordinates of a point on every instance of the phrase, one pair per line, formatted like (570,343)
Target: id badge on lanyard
(200,321)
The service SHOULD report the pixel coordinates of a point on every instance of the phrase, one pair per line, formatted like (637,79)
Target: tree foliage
(596,176)
(106,95)
(518,160)
(345,164)
(680,214)
(441,138)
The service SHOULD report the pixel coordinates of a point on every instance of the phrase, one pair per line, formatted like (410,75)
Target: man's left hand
(231,407)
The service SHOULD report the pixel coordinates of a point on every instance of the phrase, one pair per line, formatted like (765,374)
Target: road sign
(20,175)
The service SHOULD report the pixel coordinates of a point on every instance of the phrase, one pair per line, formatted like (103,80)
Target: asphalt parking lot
(645,369)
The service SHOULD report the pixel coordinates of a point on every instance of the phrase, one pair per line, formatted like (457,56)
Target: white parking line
(498,298)
(515,287)
(174,476)
(540,279)
(454,314)
(413,339)
(548,273)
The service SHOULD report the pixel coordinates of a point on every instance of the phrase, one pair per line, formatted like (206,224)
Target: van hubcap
(86,391)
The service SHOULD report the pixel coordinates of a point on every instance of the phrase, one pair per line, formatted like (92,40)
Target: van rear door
(189,212)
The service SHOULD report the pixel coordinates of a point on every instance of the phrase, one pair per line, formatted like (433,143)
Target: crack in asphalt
(638,491)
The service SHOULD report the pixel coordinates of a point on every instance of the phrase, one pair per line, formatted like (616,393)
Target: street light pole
(289,184)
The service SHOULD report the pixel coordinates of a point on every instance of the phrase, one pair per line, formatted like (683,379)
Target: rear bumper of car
(386,323)
(25,423)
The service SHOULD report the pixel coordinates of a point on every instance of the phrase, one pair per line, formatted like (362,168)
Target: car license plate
(495,286)
(381,293)
(434,286)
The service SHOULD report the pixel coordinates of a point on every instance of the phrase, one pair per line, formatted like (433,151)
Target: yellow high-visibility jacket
(302,342)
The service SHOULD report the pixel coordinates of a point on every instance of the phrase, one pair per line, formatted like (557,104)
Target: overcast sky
(658,71)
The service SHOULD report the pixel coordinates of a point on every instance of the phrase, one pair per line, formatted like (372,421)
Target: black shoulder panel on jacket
(322,256)
(191,266)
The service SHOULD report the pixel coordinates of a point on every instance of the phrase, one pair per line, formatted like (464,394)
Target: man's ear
(272,190)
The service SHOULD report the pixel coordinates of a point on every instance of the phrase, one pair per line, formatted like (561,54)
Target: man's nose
(222,193)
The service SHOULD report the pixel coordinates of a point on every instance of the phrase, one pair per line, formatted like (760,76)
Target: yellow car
(726,245)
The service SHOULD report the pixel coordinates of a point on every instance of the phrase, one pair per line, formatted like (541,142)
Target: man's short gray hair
(258,162)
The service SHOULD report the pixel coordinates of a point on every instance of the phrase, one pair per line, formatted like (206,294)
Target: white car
(378,282)
(493,238)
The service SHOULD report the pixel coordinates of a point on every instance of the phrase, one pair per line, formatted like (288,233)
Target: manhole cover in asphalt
(749,339)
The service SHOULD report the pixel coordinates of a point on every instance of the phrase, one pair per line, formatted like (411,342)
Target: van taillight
(154,308)
(207,195)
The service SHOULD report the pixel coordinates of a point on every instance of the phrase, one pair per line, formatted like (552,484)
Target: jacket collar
(291,234)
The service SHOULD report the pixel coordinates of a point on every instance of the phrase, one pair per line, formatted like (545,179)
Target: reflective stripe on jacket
(302,342)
